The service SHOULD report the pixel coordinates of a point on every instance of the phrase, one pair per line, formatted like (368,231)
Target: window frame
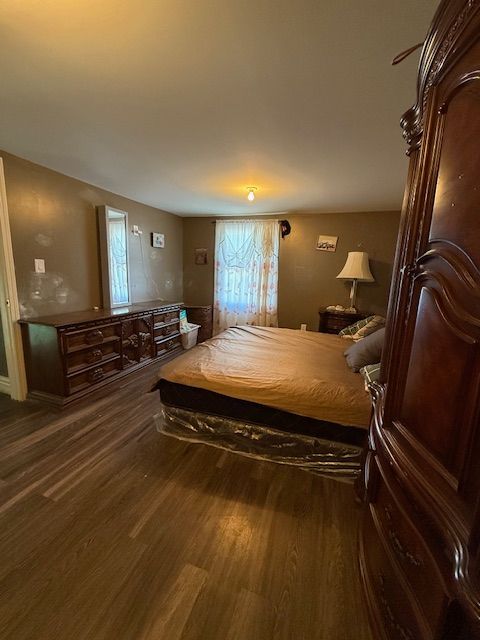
(103,212)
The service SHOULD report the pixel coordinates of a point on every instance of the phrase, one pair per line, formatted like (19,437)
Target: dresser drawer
(395,609)
(408,548)
(167,344)
(335,321)
(78,360)
(166,330)
(75,340)
(334,325)
(165,317)
(92,376)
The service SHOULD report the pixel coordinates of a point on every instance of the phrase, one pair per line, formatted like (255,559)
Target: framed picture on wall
(327,243)
(200,256)
(158,240)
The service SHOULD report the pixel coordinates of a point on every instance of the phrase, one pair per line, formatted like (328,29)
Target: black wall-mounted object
(285,228)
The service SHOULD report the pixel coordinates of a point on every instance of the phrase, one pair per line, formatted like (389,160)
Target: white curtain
(246,273)
(118,261)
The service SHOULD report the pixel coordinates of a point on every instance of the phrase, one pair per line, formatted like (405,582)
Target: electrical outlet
(39,265)
(303,327)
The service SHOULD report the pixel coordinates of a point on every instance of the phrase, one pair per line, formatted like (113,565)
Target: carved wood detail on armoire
(419,547)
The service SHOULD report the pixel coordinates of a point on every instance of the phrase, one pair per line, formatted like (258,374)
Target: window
(246,273)
(113,226)
(117,237)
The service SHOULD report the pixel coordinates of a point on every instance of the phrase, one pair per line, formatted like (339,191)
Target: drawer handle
(93,356)
(95,375)
(94,336)
(389,616)
(397,545)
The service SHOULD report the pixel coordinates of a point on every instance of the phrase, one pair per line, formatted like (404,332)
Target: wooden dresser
(202,315)
(68,356)
(335,321)
(420,539)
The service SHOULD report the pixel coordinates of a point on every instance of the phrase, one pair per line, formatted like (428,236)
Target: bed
(277,394)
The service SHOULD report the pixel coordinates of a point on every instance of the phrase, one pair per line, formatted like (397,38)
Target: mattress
(301,376)
(209,403)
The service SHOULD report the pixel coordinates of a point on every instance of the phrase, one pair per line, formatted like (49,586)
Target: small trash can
(189,337)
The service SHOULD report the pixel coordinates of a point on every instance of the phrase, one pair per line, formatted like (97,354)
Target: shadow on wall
(371,295)
(53,217)
(45,294)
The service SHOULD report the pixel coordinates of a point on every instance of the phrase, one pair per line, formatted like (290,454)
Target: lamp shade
(357,267)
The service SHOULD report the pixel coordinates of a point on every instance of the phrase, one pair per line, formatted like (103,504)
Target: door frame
(9,306)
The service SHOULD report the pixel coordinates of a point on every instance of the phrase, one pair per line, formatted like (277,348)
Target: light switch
(39,265)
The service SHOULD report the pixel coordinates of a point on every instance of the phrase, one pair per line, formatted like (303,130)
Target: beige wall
(53,217)
(307,277)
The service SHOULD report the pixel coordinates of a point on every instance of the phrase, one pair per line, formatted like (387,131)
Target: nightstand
(335,321)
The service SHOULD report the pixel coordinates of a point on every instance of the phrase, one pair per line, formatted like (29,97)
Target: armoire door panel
(457,197)
(432,401)
(437,381)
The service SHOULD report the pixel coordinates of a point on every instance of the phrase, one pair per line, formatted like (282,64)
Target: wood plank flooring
(110,531)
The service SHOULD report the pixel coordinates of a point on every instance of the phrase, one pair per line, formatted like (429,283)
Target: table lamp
(356,268)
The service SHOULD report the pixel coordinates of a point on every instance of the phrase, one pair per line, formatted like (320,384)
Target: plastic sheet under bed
(322,457)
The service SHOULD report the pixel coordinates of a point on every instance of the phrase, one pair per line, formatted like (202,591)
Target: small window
(113,233)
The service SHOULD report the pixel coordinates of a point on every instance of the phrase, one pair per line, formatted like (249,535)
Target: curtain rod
(242,220)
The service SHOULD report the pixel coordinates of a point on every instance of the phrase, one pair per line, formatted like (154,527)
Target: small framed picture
(158,240)
(200,256)
(327,243)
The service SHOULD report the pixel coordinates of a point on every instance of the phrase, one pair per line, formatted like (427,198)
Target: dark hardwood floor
(109,531)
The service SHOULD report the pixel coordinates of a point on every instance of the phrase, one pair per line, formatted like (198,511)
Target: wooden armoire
(419,545)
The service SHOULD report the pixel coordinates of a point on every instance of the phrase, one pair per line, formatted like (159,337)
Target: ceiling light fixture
(251,193)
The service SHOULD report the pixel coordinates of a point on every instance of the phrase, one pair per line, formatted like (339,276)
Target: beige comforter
(297,371)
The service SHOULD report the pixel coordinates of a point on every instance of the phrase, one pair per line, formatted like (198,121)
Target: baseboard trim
(4,385)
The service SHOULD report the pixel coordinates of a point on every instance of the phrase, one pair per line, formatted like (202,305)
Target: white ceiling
(182,104)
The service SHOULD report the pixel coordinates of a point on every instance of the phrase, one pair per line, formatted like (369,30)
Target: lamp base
(353,296)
